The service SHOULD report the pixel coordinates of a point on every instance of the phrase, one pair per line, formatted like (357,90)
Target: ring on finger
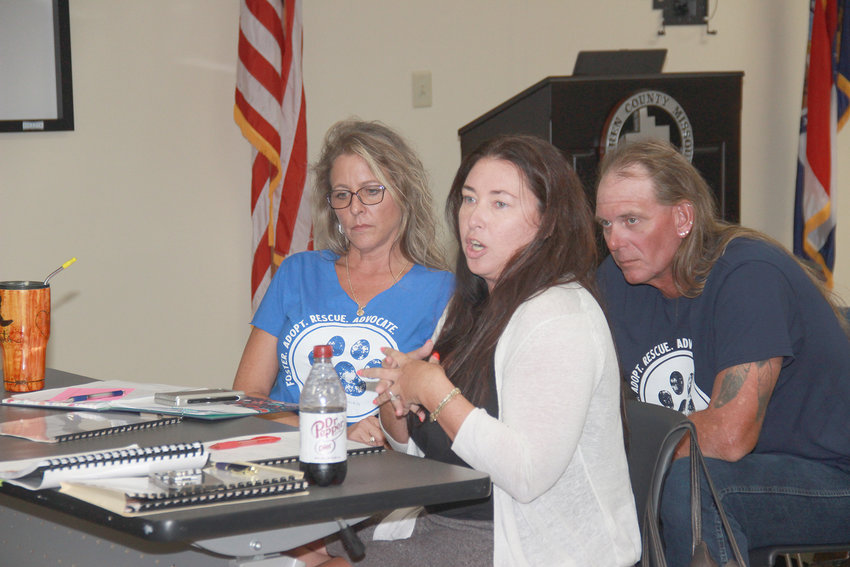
(392,396)
(372,440)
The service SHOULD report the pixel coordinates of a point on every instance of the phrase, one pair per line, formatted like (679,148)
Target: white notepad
(132,460)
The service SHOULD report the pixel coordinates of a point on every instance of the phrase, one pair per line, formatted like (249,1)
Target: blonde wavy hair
(397,167)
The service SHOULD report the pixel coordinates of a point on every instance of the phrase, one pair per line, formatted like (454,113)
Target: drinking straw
(59,269)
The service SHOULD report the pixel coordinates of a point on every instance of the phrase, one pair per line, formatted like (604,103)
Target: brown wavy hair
(563,250)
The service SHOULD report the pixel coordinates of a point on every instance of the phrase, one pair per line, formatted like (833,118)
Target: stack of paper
(60,427)
(139,397)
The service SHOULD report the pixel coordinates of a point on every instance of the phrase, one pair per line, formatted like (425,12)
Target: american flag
(825,110)
(271,113)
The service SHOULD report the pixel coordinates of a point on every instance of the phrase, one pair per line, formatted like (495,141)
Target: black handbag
(653,550)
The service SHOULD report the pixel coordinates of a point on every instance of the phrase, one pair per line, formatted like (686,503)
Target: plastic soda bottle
(322,422)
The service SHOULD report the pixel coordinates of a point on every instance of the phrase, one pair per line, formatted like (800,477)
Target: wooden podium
(584,115)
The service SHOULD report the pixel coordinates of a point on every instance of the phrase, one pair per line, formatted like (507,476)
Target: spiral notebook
(214,486)
(132,460)
(74,425)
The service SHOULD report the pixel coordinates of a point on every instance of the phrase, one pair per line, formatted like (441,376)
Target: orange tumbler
(24,330)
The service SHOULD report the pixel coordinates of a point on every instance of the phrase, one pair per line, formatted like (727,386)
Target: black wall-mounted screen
(35,66)
(620,62)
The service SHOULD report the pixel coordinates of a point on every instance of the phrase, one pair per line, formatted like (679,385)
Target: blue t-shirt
(757,304)
(305,306)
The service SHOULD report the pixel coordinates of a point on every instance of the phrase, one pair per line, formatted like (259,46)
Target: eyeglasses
(368,195)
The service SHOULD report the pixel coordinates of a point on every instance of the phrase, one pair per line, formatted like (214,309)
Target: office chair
(648,427)
(768,556)
(652,433)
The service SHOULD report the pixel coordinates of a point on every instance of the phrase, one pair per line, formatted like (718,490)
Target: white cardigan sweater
(556,457)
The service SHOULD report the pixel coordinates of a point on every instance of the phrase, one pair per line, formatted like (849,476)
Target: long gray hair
(675,180)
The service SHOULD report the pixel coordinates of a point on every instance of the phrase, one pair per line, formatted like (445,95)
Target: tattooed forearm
(730,384)
(733,380)
(730,426)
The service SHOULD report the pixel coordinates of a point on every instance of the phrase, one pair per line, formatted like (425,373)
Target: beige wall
(150,191)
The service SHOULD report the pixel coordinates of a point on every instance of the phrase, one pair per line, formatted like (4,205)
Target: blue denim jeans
(769,500)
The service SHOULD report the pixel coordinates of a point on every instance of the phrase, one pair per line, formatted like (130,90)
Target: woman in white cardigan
(525,386)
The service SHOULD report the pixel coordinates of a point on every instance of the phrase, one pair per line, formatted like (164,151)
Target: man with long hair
(721,323)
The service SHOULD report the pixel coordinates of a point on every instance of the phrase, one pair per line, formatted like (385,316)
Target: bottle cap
(323,351)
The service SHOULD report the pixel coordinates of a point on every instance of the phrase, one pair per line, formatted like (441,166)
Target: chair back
(653,432)
(648,425)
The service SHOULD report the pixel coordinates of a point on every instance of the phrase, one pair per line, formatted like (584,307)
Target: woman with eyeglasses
(377,278)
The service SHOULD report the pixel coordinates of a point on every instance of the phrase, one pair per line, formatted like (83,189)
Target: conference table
(46,527)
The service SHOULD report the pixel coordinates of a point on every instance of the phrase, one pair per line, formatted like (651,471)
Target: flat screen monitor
(620,62)
(35,66)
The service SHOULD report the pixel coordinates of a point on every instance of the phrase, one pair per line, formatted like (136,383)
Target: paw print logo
(678,395)
(669,381)
(354,347)
(353,384)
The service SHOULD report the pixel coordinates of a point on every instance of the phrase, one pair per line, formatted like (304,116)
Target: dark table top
(374,483)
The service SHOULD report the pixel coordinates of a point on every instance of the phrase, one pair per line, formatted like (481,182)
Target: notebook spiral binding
(119,429)
(262,490)
(194,490)
(124,456)
(289,460)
